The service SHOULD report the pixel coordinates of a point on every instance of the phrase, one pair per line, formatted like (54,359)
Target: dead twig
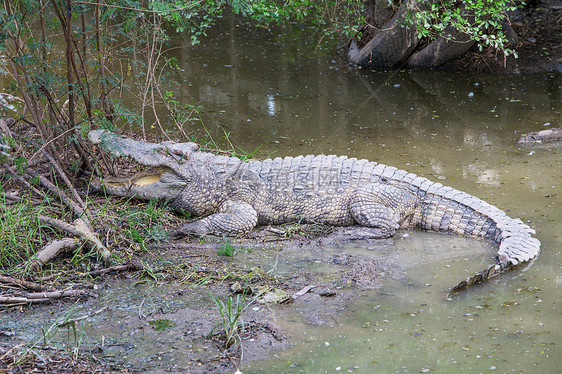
(69,184)
(23,283)
(130,266)
(49,277)
(76,209)
(78,319)
(302,292)
(52,250)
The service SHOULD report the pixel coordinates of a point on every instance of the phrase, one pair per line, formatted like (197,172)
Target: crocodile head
(168,174)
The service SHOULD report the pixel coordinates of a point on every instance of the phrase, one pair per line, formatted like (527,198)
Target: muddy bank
(163,319)
(154,314)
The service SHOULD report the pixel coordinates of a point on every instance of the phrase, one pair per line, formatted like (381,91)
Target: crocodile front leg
(232,218)
(380,209)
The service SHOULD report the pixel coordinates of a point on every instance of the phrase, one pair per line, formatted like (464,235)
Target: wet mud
(166,321)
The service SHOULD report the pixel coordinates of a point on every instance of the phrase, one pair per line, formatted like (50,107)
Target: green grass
(137,222)
(120,222)
(222,144)
(144,222)
(20,233)
(230,313)
(226,248)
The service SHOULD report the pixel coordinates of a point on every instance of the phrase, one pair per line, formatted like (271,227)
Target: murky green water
(279,91)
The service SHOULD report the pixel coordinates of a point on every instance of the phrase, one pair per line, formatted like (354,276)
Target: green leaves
(480,20)
(226,249)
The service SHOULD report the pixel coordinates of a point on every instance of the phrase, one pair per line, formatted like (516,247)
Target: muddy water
(282,92)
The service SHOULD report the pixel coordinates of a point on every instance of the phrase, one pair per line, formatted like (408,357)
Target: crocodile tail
(490,272)
(445,209)
(516,245)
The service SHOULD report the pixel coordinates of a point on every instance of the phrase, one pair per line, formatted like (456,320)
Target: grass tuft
(231,324)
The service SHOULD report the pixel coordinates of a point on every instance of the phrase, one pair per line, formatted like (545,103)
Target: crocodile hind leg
(380,209)
(232,218)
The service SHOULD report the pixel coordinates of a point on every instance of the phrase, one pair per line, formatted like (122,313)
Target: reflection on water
(264,86)
(279,90)
(271,105)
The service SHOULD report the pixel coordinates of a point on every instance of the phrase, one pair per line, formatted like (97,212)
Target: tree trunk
(389,48)
(391,43)
(441,50)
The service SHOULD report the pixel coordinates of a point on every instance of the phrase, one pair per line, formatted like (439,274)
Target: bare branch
(52,250)
(23,283)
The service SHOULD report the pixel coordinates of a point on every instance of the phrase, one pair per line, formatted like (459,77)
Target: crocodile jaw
(164,184)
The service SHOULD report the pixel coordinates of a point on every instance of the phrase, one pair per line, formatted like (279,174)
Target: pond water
(285,94)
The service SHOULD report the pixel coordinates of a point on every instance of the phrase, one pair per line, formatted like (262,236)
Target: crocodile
(372,199)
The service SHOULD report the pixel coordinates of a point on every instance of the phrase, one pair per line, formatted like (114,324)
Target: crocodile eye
(183,156)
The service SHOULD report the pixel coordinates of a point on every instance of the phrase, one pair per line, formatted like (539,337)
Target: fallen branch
(51,251)
(23,181)
(15,300)
(23,283)
(10,197)
(80,229)
(42,297)
(56,294)
(87,234)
